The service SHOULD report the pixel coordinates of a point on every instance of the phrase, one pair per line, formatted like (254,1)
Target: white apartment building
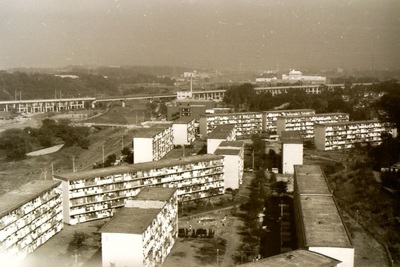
(233,152)
(270,117)
(319,225)
(29,216)
(305,123)
(292,151)
(153,143)
(295,75)
(144,231)
(226,132)
(99,193)
(246,123)
(184,131)
(342,135)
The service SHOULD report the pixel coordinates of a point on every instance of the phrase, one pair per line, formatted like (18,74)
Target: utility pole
(73,163)
(122,143)
(102,149)
(217,256)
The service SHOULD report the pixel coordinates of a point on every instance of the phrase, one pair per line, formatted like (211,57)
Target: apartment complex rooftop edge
(348,122)
(310,179)
(89,174)
(24,194)
(291,137)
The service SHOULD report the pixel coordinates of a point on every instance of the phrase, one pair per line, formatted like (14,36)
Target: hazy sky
(245,34)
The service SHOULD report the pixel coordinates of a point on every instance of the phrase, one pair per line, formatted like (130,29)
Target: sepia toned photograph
(197,133)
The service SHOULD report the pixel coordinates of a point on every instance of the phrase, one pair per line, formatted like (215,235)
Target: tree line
(16,143)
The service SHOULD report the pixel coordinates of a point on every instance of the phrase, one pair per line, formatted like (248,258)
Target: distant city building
(143,232)
(319,225)
(233,152)
(226,132)
(29,216)
(292,151)
(189,108)
(99,193)
(298,76)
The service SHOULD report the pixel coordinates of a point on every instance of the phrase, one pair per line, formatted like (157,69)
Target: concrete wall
(143,149)
(346,255)
(121,250)
(292,154)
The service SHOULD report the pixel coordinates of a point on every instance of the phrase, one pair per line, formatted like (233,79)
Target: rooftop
(221,131)
(183,120)
(291,137)
(315,115)
(130,221)
(296,258)
(25,193)
(236,144)
(322,223)
(232,114)
(132,168)
(288,110)
(310,179)
(152,131)
(226,151)
(155,193)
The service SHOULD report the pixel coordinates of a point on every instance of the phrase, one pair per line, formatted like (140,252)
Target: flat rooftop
(288,110)
(315,115)
(227,151)
(152,131)
(296,258)
(291,137)
(235,144)
(221,131)
(133,168)
(155,193)
(321,222)
(25,193)
(183,120)
(232,114)
(130,221)
(310,179)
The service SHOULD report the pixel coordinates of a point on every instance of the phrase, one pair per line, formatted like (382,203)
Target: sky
(214,34)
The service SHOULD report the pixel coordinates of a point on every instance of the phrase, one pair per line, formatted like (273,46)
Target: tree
(280,187)
(240,97)
(14,143)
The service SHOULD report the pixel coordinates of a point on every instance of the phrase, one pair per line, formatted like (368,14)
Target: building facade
(270,117)
(153,143)
(246,123)
(342,135)
(292,151)
(29,216)
(233,152)
(184,131)
(226,132)
(99,193)
(305,123)
(143,232)
(319,225)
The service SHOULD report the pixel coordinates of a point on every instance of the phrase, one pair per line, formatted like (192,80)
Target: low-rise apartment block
(270,117)
(98,193)
(342,135)
(305,123)
(319,225)
(151,144)
(144,231)
(226,132)
(233,152)
(184,131)
(29,216)
(246,123)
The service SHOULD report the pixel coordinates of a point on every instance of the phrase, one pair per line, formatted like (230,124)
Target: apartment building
(226,132)
(29,216)
(247,123)
(305,123)
(144,231)
(233,152)
(270,117)
(99,193)
(342,135)
(295,258)
(184,131)
(319,225)
(151,144)
(292,150)
(189,108)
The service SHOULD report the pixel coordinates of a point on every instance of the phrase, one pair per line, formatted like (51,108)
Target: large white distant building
(295,75)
